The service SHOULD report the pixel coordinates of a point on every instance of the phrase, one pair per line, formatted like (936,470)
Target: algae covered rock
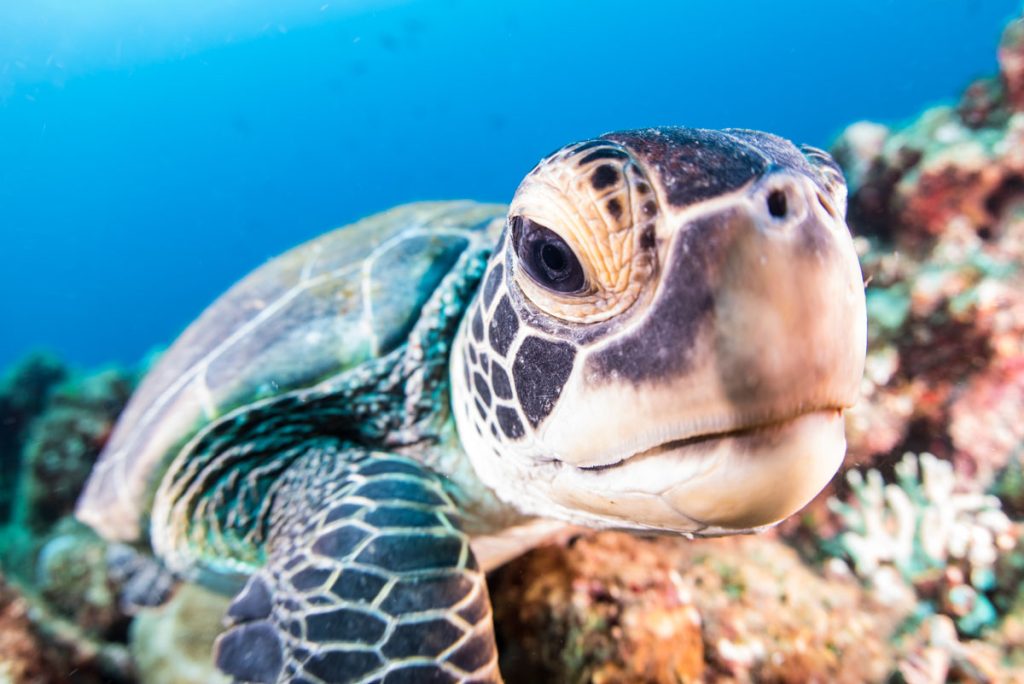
(616,608)
(64,589)
(63,442)
(21,653)
(24,391)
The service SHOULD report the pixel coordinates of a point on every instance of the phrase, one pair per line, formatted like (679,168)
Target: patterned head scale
(668,331)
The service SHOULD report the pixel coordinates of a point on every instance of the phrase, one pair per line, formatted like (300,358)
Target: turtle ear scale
(831,177)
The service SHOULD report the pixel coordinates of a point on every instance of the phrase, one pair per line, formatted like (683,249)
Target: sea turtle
(659,333)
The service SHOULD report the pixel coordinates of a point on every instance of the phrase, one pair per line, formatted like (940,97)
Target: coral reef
(61,600)
(938,206)
(942,541)
(615,608)
(63,443)
(22,656)
(37,647)
(24,391)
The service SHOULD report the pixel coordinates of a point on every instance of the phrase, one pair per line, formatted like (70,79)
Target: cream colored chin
(730,484)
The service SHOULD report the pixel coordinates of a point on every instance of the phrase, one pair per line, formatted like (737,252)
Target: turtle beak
(734,379)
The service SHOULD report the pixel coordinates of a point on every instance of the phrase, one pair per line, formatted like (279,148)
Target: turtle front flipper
(368,579)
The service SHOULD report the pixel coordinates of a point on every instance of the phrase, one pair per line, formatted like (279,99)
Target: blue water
(150,156)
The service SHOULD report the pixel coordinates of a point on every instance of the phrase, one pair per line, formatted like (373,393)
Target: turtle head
(669,330)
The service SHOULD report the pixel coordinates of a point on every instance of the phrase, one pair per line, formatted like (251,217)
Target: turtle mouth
(722,482)
(697,443)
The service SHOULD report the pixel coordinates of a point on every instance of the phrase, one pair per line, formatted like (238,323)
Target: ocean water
(153,153)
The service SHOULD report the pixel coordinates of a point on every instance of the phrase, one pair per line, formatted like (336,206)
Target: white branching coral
(922,524)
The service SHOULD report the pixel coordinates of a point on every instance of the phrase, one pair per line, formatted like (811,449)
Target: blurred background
(153,153)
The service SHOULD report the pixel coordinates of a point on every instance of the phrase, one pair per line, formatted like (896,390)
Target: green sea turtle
(659,333)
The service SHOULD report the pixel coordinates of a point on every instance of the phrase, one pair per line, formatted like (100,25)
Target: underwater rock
(72,610)
(616,608)
(24,391)
(63,444)
(37,647)
(72,575)
(21,653)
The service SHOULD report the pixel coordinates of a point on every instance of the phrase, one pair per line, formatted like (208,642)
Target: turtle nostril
(777,204)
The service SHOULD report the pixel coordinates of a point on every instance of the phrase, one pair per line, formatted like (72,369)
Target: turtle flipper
(368,578)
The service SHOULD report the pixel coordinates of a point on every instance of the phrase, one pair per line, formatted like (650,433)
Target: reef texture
(616,608)
(909,568)
(61,617)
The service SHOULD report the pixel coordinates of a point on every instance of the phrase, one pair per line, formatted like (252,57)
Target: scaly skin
(368,576)
(212,511)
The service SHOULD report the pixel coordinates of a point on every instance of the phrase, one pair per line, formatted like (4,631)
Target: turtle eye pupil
(553,259)
(546,257)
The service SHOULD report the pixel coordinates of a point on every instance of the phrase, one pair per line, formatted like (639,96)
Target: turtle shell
(320,309)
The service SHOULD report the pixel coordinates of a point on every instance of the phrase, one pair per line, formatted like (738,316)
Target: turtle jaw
(713,484)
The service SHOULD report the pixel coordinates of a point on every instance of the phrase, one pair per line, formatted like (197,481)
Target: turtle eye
(546,257)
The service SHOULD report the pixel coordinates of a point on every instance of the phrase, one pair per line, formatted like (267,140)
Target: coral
(64,442)
(21,655)
(69,595)
(938,209)
(72,575)
(172,644)
(941,540)
(38,647)
(616,608)
(23,394)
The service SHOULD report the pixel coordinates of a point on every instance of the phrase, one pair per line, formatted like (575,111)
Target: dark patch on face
(480,409)
(540,370)
(606,153)
(509,421)
(504,327)
(604,176)
(614,208)
(647,238)
(662,345)
(472,352)
(649,208)
(482,390)
(500,383)
(492,284)
(694,164)
(484,361)
(478,324)
(643,188)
